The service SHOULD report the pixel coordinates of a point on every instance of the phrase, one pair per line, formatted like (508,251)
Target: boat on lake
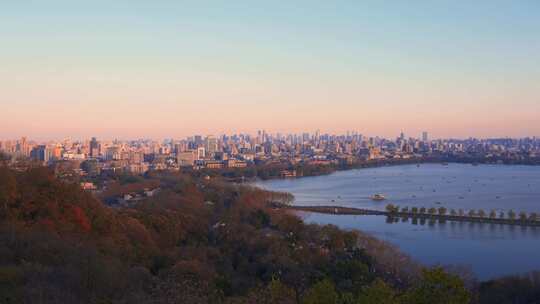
(378,197)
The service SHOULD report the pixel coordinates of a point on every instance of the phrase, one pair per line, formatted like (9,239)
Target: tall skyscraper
(211,145)
(425,136)
(41,153)
(94,148)
(23,148)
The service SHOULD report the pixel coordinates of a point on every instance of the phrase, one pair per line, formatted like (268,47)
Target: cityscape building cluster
(241,150)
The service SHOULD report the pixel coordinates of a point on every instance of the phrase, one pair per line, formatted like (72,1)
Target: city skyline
(423,135)
(243,150)
(132,70)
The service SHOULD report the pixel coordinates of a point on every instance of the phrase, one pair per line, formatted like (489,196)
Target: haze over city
(165,69)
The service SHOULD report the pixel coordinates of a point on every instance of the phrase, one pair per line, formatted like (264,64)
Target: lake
(489,250)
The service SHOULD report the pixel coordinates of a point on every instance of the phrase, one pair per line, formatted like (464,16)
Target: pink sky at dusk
(169,72)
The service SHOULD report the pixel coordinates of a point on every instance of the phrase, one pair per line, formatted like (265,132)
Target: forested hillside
(196,241)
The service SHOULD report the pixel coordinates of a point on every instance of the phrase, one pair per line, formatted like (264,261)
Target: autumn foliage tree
(194,241)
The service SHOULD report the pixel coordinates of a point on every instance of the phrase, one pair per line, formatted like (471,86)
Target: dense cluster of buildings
(237,151)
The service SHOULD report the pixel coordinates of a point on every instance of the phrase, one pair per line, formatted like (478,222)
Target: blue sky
(171,68)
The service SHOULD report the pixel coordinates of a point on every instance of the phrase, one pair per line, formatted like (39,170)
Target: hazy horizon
(252,134)
(135,69)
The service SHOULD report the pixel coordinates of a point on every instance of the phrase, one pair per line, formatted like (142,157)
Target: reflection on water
(486,230)
(490,249)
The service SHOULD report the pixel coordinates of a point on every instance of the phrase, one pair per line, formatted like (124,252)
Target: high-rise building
(113,153)
(56,152)
(135,157)
(186,158)
(95,148)
(8,147)
(23,148)
(201,153)
(425,136)
(180,147)
(211,145)
(41,153)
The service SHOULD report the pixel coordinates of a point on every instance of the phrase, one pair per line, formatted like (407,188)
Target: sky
(169,69)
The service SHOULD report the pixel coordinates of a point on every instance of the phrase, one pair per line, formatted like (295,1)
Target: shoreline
(333,168)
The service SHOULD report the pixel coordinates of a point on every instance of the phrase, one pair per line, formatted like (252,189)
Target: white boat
(378,197)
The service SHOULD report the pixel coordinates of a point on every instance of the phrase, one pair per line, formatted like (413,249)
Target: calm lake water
(489,250)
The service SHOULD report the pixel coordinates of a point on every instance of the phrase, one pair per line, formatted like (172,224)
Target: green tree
(472,213)
(279,293)
(523,216)
(442,211)
(414,210)
(511,215)
(323,292)
(391,208)
(453,212)
(492,214)
(347,298)
(432,211)
(423,210)
(437,286)
(481,213)
(377,293)
(8,191)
